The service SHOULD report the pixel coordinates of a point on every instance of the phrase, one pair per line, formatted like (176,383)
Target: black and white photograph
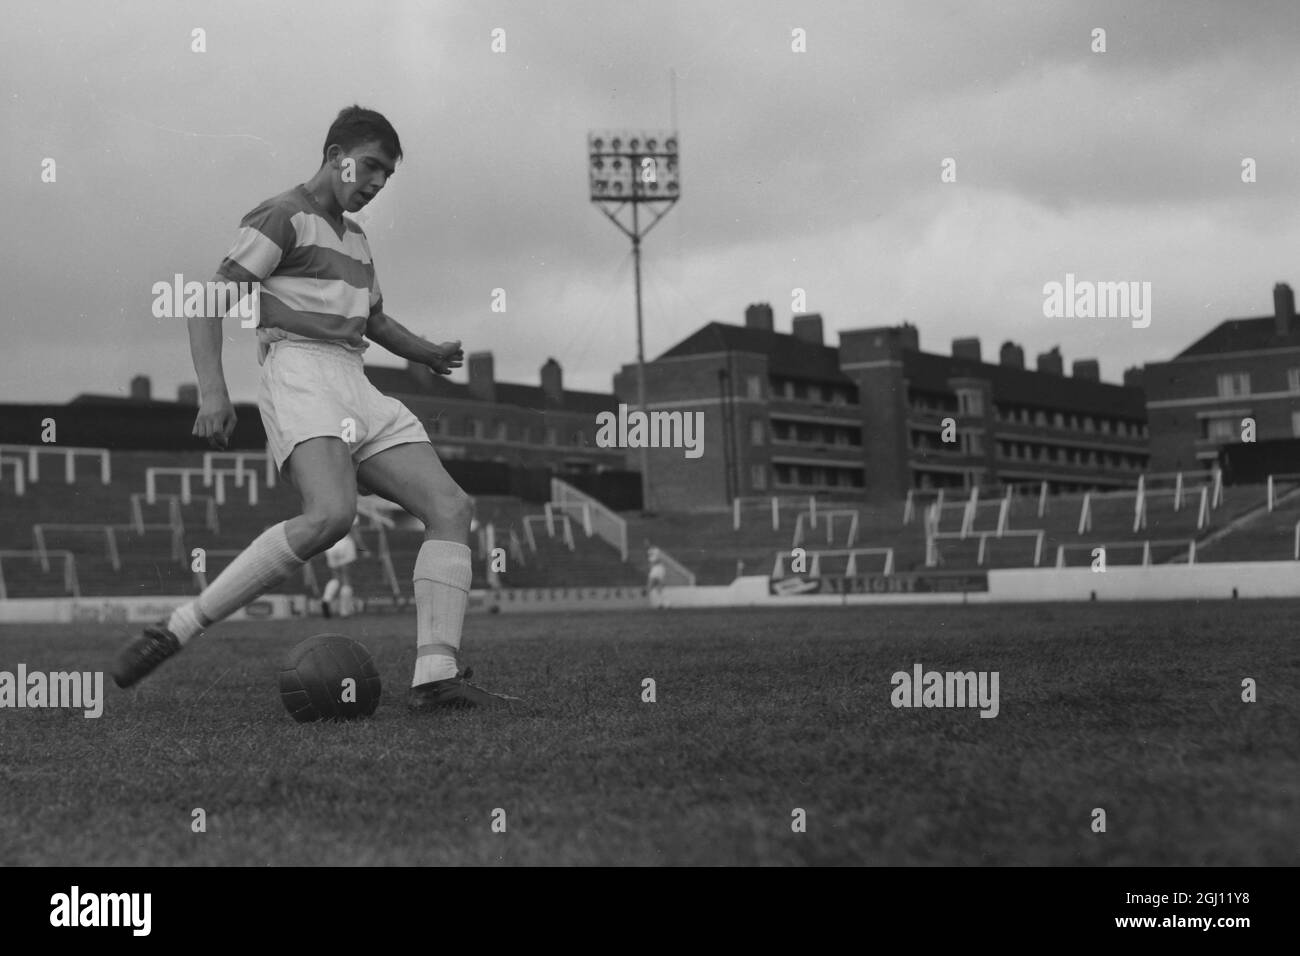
(680,435)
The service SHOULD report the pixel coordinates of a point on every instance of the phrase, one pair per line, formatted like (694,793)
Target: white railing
(218,475)
(851,569)
(211,460)
(801,527)
(1187,544)
(70,581)
(969,513)
(20,478)
(210,519)
(1273,495)
(772,504)
(596,519)
(678,573)
(933,558)
(109,531)
(69,453)
(551,521)
(914,496)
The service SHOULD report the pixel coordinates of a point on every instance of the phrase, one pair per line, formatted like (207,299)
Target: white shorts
(318,389)
(341,553)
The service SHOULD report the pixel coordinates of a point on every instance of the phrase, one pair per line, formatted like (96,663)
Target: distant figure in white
(655,579)
(340,557)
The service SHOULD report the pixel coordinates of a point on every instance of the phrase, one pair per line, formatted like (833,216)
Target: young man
(327,427)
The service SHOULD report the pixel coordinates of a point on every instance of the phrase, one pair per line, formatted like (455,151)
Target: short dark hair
(356,125)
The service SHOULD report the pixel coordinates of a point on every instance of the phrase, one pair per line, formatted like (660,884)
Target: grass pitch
(1135,709)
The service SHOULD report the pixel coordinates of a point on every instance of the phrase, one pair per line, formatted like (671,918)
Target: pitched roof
(930,372)
(1243,335)
(787,354)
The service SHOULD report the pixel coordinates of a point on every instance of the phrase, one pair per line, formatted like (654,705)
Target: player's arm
(265,234)
(401,341)
(216,418)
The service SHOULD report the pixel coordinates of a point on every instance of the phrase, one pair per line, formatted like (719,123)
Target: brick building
(787,413)
(1243,368)
(530,426)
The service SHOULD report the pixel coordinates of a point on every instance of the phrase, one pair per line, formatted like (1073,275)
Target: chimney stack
(759,316)
(967,349)
(553,382)
(1051,362)
(482,378)
(909,337)
(1283,308)
(1011,355)
(1087,369)
(808,328)
(141,390)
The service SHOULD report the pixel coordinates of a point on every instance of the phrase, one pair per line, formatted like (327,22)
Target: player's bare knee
(329,524)
(450,514)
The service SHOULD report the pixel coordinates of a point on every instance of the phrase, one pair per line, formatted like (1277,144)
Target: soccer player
(656,576)
(340,556)
(328,429)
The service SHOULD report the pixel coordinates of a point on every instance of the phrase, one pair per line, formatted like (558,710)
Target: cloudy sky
(816,170)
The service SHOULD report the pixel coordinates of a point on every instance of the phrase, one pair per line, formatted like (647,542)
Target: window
(1058,420)
(970,401)
(1293,380)
(503,431)
(1295,424)
(754,387)
(758,477)
(972,443)
(1220,429)
(551,438)
(757,431)
(1232,384)
(476,428)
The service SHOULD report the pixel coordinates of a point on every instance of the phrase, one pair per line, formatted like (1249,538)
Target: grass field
(1132,708)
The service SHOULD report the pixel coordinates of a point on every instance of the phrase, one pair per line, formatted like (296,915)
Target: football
(329,677)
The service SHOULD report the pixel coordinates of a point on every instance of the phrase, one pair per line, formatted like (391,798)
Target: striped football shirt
(317,279)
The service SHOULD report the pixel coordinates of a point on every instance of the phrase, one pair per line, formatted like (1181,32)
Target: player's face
(372,166)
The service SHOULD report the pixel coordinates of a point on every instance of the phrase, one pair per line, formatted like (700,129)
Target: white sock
(263,564)
(185,623)
(442,578)
(345,602)
(331,590)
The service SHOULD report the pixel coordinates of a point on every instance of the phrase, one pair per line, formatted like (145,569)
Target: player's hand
(215,421)
(447,356)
